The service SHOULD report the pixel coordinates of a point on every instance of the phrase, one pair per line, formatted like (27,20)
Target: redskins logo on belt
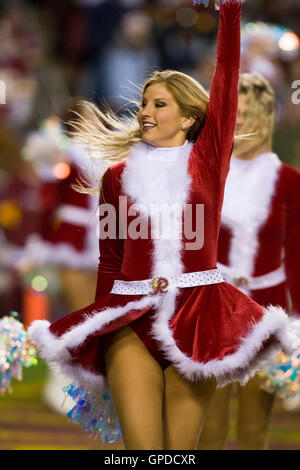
(159,285)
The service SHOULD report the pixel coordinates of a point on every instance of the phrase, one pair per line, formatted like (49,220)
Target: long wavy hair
(110,136)
(259,122)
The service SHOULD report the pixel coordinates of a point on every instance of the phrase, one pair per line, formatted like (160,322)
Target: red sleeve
(292,246)
(111,248)
(215,141)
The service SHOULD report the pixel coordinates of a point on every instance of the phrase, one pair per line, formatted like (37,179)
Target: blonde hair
(110,137)
(261,106)
(189,95)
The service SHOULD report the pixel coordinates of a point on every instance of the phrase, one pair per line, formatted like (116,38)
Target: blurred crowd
(53,52)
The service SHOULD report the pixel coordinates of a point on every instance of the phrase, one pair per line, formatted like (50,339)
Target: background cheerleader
(258,249)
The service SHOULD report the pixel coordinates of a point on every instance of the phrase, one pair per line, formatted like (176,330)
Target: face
(160,119)
(242,114)
(247,123)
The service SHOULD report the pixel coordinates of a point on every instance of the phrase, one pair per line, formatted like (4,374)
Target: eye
(160,104)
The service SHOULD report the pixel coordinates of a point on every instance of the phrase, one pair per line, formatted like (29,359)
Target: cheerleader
(258,249)
(67,237)
(165,328)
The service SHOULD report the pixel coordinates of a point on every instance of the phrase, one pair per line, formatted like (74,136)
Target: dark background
(54,52)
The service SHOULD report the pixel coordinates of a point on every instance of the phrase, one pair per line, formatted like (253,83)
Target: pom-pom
(282,377)
(16,352)
(95,413)
(201,2)
(205,3)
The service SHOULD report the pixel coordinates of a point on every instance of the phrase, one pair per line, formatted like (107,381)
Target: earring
(183,127)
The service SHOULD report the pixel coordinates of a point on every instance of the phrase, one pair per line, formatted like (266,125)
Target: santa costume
(68,219)
(203,325)
(258,248)
(67,235)
(260,227)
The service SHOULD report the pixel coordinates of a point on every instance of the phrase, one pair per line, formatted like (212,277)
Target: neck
(254,152)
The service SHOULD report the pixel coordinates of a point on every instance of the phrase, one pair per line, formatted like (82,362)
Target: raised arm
(111,249)
(216,138)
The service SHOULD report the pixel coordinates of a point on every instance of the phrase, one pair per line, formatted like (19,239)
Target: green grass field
(26,423)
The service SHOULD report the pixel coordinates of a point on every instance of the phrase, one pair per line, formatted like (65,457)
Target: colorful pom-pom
(95,413)
(205,3)
(282,377)
(16,352)
(201,2)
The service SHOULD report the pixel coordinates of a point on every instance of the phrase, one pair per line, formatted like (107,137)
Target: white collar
(260,159)
(166,154)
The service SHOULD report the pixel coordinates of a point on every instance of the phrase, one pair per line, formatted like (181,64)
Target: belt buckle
(240,281)
(159,285)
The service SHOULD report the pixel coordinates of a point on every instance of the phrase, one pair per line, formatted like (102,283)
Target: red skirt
(213,330)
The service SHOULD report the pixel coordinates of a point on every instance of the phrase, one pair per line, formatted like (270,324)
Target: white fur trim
(157,175)
(249,190)
(240,365)
(74,215)
(152,180)
(290,336)
(91,381)
(50,347)
(96,321)
(42,253)
(158,178)
(55,349)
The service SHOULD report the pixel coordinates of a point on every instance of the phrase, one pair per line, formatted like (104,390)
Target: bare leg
(255,407)
(185,407)
(136,381)
(214,434)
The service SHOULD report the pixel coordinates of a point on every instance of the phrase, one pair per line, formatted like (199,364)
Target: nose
(145,114)
(147,110)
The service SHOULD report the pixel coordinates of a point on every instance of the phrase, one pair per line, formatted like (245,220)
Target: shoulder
(290,174)
(289,184)
(289,179)
(114,172)
(111,179)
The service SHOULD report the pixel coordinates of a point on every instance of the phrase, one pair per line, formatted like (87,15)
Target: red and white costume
(68,219)
(260,229)
(207,330)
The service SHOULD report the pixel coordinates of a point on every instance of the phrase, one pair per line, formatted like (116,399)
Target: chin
(150,141)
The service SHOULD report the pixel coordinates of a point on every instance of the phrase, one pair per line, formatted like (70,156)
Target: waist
(270,279)
(161,284)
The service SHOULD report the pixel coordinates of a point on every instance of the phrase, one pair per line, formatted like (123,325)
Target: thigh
(215,429)
(255,407)
(136,382)
(185,406)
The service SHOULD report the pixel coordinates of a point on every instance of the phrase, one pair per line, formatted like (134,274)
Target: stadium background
(54,52)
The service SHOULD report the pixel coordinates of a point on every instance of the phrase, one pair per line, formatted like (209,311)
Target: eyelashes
(157,105)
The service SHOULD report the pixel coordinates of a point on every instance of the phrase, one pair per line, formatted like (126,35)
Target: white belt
(160,285)
(271,279)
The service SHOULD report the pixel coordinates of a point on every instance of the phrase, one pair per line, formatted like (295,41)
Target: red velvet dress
(67,227)
(265,237)
(261,246)
(212,330)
